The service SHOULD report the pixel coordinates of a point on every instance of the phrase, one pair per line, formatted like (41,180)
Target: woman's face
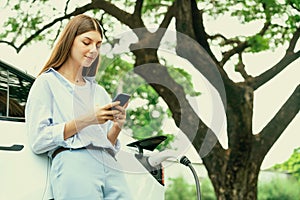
(85,48)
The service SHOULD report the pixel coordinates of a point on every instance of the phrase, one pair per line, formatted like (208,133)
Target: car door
(23,175)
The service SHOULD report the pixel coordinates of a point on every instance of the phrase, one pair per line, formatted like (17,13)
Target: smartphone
(122,97)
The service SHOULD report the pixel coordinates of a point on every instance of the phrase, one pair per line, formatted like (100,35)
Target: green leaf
(184,79)
(258,43)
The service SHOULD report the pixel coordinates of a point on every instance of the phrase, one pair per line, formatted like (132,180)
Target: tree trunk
(238,184)
(235,176)
(233,172)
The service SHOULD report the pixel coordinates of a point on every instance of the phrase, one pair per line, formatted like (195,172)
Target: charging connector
(185,161)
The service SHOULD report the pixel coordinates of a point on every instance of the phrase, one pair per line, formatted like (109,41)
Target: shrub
(279,189)
(179,189)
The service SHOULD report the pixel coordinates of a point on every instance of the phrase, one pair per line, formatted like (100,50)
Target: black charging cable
(185,161)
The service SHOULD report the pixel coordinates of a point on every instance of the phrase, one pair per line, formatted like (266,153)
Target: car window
(14,89)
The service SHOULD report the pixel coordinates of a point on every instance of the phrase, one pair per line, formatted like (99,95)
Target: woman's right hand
(105,113)
(99,116)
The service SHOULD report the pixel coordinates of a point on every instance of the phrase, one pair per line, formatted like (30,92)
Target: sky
(268,99)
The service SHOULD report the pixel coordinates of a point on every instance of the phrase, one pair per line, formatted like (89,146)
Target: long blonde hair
(61,51)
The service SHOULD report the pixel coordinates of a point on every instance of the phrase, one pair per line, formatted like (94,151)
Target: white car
(24,174)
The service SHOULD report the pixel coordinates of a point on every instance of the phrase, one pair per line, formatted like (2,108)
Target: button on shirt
(52,102)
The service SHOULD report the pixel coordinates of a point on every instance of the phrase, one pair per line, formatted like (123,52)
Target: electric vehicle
(24,175)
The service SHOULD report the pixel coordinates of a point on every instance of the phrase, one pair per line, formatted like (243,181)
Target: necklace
(78,80)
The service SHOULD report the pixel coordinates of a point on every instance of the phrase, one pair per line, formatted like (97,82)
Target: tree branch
(61,24)
(293,5)
(66,7)
(241,45)
(30,38)
(200,135)
(58,32)
(138,8)
(238,49)
(293,41)
(126,18)
(240,67)
(190,49)
(272,131)
(152,40)
(109,8)
(271,73)
(288,58)
(10,44)
(199,29)
(148,67)
(219,35)
(168,17)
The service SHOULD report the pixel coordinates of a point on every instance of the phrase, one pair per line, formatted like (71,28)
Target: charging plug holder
(148,143)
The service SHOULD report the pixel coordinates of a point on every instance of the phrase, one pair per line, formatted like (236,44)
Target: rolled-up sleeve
(43,133)
(117,147)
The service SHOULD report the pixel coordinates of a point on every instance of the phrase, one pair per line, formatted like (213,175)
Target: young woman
(69,116)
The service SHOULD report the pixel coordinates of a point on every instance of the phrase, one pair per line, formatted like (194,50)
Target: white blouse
(52,102)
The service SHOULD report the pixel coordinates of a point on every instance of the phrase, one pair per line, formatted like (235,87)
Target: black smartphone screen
(122,97)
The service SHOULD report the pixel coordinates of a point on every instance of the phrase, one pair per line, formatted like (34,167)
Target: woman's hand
(99,116)
(105,113)
(119,120)
(120,117)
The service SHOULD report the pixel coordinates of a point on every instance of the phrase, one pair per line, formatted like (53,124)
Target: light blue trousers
(87,175)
